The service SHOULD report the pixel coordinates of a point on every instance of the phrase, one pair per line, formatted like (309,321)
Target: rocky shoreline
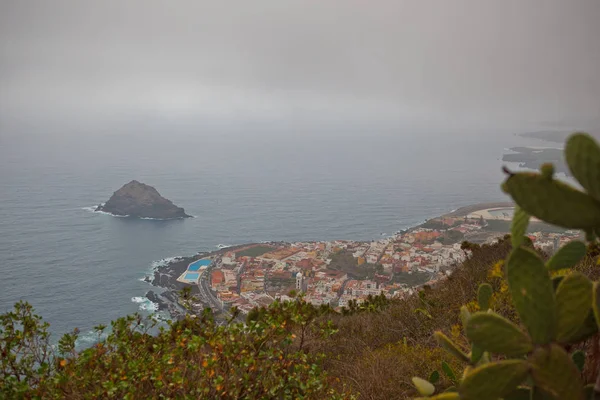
(165,277)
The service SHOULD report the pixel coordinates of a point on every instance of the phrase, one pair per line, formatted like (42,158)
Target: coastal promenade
(206,294)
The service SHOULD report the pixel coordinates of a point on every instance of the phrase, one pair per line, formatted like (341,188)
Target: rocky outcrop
(136,199)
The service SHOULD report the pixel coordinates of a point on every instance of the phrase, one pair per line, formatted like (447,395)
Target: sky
(512,62)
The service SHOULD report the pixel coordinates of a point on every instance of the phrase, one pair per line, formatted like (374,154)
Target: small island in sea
(138,200)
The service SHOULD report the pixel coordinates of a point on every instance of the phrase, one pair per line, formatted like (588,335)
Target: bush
(192,358)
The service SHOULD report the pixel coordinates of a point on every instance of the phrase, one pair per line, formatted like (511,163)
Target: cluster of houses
(257,275)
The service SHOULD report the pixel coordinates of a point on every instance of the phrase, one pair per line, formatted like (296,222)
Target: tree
(192,358)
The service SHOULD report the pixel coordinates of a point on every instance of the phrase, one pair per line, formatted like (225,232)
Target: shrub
(192,358)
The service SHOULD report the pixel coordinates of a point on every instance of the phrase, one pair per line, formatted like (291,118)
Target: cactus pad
(583,158)
(497,335)
(573,303)
(567,256)
(553,201)
(554,371)
(450,347)
(447,369)
(423,387)
(518,227)
(532,294)
(494,380)
(484,295)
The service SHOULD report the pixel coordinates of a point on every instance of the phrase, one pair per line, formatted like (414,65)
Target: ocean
(79,268)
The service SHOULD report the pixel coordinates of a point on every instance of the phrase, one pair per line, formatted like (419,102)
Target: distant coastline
(529,157)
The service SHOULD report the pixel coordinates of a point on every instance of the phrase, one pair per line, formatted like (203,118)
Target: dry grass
(376,354)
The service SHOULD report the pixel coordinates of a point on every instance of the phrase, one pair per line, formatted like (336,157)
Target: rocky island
(136,199)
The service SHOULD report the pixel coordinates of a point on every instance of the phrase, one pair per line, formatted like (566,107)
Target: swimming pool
(195,266)
(191,276)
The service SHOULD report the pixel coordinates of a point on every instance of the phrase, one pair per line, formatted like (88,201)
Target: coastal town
(337,272)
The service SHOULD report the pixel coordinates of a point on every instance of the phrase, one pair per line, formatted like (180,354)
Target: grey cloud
(463,59)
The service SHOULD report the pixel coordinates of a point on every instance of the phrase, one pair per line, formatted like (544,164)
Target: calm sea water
(80,268)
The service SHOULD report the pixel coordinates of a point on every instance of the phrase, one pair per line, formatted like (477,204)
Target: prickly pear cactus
(531,360)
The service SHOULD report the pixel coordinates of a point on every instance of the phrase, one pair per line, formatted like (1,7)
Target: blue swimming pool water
(191,276)
(195,266)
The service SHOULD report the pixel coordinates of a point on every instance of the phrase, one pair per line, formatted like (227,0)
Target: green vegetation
(255,251)
(509,323)
(369,351)
(193,358)
(543,353)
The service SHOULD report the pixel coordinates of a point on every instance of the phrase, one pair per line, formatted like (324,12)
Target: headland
(338,271)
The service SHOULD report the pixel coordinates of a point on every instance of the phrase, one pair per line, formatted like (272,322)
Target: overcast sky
(520,61)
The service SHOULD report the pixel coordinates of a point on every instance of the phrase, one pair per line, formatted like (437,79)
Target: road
(206,294)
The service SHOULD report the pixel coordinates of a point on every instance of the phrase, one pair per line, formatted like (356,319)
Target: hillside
(509,322)
(370,351)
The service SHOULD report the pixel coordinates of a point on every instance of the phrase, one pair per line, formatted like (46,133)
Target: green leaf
(496,334)
(567,256)
(434,377)
(450,347)
(423,387)
(484,294)
(518,227)
(554,372)
(532,294)
(573,303)
(579,359)
(553,201)
(449,372)
(493,380)
(582,155)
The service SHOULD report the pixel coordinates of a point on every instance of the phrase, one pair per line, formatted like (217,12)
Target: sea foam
(145,304)
(93,209)
(155,265)
(88,339)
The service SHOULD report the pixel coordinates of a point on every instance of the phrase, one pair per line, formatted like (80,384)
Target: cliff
(136,199)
